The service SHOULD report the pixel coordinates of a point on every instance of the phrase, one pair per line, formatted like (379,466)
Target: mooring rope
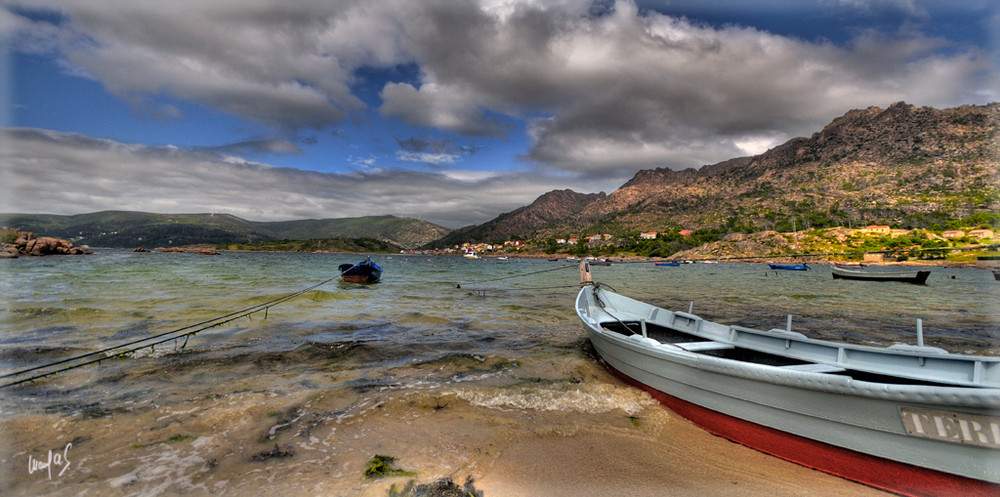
(602,305)
(185,332)
(521,275)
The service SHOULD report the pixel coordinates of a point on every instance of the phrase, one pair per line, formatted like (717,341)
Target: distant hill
(552,207)
(338,244)
(904,166)
(135,229)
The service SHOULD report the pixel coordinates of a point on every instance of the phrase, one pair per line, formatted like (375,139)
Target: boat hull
(873,471)
(360,278)
(850,428)
(788,267)
(363,272)
(916,278)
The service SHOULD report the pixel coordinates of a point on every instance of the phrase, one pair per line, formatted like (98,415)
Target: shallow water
(445,363)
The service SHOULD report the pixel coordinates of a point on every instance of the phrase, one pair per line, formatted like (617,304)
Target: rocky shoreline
(29,245)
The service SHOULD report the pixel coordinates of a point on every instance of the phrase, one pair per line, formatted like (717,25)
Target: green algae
(380,466)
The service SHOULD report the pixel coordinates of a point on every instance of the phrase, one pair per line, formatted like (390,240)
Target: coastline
(982,264)
(500,386)
(277,440)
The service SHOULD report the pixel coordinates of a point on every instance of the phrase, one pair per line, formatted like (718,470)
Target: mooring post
(585,277)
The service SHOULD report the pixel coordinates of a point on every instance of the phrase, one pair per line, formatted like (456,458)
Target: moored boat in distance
(909,419)
(365,271)
(667,263)
(916,277)
(788,267)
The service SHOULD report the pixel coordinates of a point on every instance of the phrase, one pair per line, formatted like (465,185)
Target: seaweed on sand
(380,466)
(444,487)
(274,453)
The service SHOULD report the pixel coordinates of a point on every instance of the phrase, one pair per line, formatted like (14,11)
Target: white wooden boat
(909,419)
(915,277)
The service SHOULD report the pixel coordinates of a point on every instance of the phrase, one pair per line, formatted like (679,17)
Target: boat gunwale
(905,351)
(827,382)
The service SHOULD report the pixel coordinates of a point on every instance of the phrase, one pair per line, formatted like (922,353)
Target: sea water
(443,364)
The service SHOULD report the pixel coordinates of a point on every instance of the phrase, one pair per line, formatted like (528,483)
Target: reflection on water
(443,362)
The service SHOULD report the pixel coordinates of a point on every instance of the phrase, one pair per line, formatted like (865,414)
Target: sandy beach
(496,382)
(233,440)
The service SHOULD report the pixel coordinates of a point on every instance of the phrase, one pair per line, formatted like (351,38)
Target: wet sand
(687,461)
(525,430)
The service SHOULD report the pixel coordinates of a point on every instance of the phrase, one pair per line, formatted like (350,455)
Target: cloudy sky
(451,111)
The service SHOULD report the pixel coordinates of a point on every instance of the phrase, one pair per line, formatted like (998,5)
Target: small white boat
(909,419)
(915,277)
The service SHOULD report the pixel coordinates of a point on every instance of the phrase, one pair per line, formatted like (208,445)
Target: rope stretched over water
(150,342)
(518,276)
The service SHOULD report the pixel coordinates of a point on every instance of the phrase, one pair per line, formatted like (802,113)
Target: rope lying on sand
(150,342)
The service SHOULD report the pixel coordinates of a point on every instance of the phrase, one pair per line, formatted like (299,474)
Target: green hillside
(338,244)
(143,229)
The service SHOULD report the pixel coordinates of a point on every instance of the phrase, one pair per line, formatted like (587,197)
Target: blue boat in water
(667,263)
(365,271)
(788,267)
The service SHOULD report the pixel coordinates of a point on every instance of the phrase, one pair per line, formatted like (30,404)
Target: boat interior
(684,341)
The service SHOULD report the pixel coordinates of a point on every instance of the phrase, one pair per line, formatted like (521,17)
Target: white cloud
(755,145)
(437,107)
(633,90)
(601,92)
(431,158)
(65,173)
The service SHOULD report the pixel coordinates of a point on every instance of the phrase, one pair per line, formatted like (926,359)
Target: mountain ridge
(135,229)
(552,206)
(903,165)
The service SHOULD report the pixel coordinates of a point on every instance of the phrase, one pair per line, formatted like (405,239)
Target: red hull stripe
(892,476)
